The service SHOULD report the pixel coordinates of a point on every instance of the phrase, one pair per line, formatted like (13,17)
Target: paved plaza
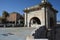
(20,33)
(15,33)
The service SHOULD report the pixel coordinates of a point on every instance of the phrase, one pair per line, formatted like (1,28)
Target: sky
(20,5)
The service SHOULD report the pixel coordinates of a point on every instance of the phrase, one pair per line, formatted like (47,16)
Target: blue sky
(19,5)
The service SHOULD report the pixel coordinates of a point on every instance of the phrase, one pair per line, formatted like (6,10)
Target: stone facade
(44,12)
(43,18)
(38,14)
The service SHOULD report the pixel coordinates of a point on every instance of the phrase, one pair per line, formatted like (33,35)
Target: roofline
(38,7)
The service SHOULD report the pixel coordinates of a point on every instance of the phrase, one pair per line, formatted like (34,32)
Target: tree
(5,14)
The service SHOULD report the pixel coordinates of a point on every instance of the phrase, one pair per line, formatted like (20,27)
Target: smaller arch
(35,20)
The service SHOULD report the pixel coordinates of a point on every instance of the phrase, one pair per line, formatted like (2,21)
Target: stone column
(46,22)
(28,20)
(47,19)
(28,23)
(25,21)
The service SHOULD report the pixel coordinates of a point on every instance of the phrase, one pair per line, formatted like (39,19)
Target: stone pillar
(46,22)
(28,20)
(47,19)
(25,21)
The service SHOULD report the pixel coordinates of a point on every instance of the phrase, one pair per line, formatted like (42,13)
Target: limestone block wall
(39,14)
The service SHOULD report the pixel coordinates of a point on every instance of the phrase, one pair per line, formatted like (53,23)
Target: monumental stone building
(40,15)
(43,18)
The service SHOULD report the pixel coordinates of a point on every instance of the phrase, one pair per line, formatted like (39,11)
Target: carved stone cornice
(38,7)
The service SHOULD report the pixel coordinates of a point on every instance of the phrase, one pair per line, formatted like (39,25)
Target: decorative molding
(38,7)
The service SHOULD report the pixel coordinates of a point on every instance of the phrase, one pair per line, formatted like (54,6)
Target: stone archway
(34,21)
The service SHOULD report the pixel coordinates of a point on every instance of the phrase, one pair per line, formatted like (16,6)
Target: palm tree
(5,15)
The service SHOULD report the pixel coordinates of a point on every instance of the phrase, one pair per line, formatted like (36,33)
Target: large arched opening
(34,21)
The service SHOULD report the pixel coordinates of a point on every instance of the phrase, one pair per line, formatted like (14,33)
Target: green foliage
(5,14)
